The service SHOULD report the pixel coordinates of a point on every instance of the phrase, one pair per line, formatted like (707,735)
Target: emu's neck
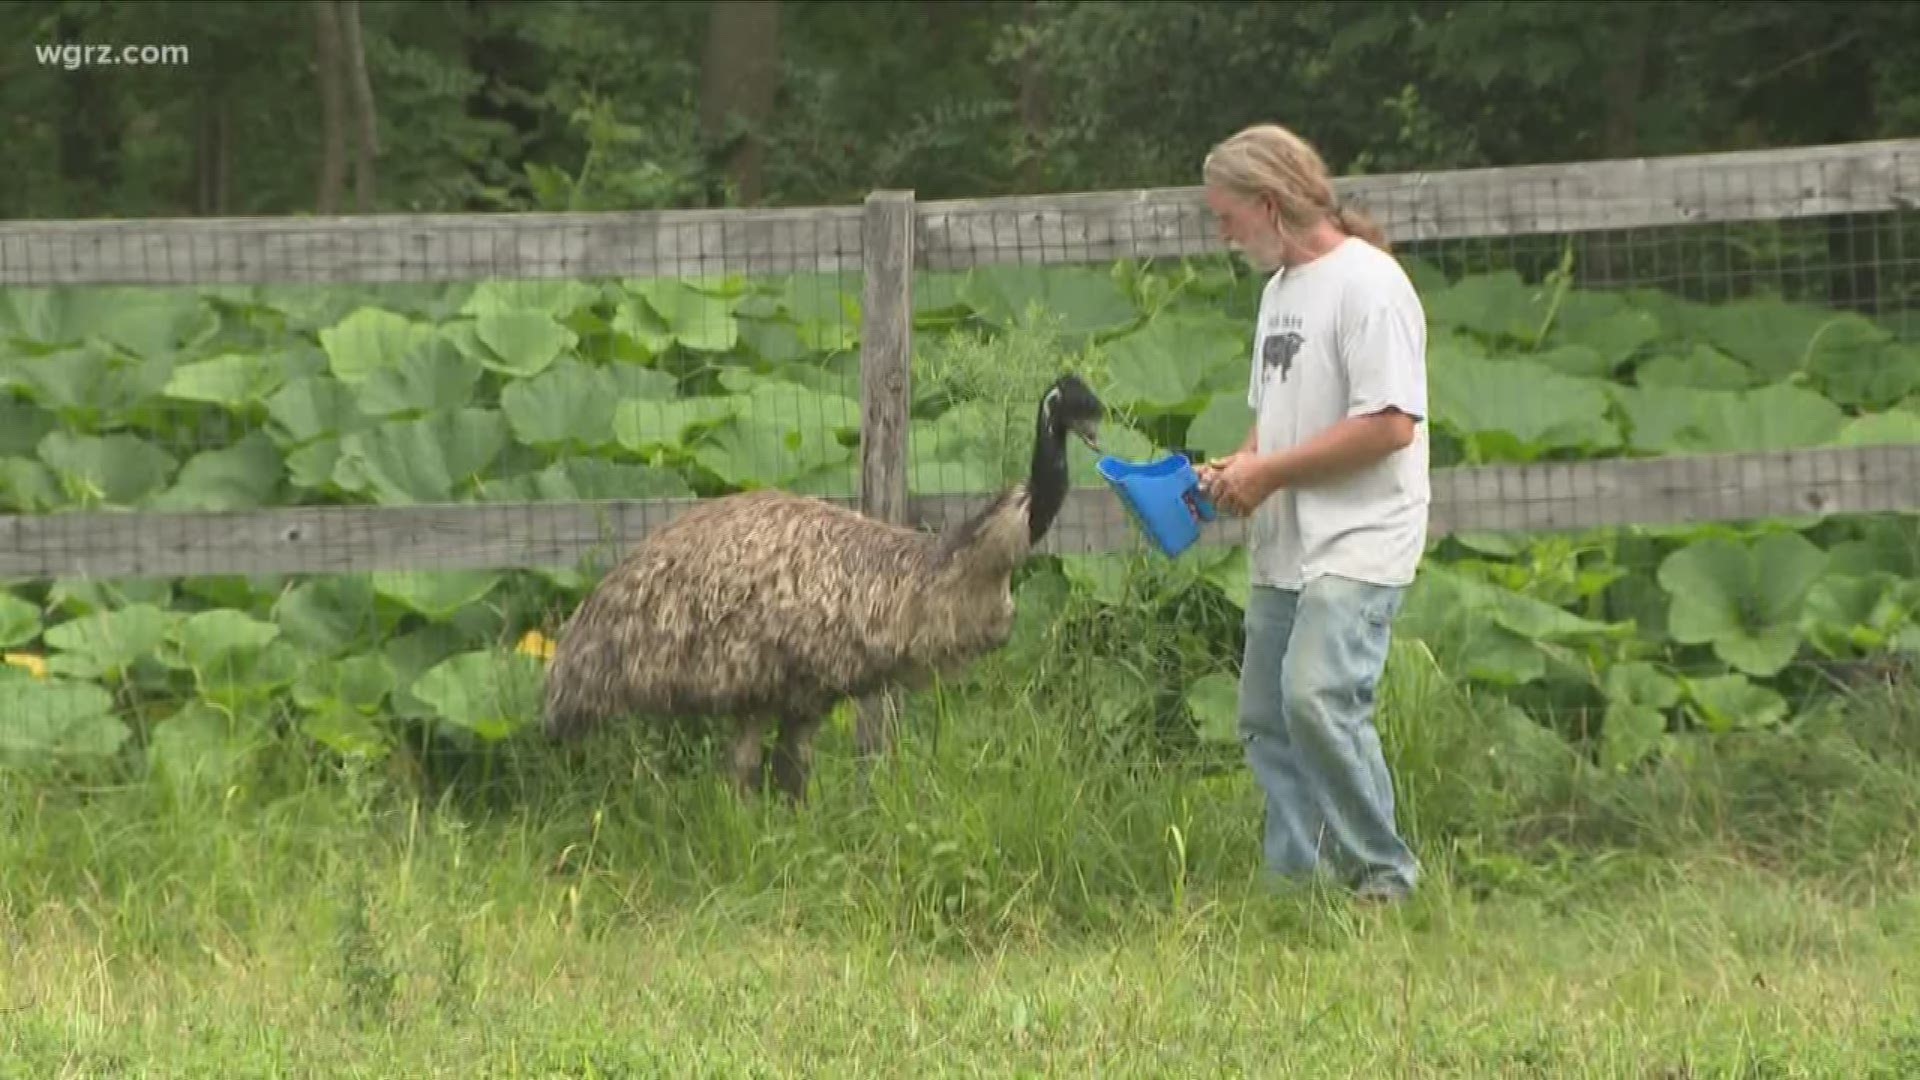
(1047,479)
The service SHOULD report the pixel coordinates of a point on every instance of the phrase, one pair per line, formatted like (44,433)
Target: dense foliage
(483,104)
(506,393)
(233,398)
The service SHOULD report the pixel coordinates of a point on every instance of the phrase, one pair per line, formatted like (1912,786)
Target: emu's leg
(745,759)
(876,716)
(793,756)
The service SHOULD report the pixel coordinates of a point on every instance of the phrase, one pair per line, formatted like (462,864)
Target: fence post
(886,396)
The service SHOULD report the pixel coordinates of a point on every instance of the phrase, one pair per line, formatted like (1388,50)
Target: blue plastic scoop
(1164,498)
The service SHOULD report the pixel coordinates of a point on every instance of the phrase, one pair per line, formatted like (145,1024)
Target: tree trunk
(1625,80)
(90,131)
(213,156)
(503,60)
(333,130)
(1034,110)
(739,77)
(361,87)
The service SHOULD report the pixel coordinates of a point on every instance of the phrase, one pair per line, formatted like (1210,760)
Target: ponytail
(1357,224)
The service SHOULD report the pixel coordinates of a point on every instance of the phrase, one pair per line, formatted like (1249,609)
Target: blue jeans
(1314,660)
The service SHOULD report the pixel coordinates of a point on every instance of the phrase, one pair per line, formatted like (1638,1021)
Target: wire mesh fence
(440,362)
(1738,305)
(339,474)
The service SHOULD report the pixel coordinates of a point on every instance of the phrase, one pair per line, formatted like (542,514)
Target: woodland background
(324,105)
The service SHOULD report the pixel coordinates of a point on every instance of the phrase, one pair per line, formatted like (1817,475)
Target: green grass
(1008,897)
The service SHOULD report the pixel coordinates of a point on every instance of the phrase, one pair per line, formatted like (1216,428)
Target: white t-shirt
(1343,335)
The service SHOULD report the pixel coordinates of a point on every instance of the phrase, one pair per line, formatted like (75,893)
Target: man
(1334,477)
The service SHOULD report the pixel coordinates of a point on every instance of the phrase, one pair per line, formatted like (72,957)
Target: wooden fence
(886,240)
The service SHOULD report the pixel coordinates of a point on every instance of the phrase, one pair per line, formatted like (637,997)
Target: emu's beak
(1090,434)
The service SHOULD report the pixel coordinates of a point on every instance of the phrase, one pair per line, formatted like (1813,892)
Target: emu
(771,608)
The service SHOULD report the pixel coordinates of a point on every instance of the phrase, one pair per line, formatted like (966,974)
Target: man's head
(1274,199)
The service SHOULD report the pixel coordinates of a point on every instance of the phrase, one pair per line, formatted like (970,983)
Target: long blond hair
(1269,160)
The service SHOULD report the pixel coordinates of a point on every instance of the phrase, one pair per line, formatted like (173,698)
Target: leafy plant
(499,392)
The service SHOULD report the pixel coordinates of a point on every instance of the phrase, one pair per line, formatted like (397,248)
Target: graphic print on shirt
(1279,349)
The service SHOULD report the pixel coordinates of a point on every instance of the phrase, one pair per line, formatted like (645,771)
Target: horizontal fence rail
(1552,497)
(1525,200)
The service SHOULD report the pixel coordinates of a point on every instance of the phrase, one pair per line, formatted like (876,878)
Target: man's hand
(1207,471)
(1237,483)
(1241,481)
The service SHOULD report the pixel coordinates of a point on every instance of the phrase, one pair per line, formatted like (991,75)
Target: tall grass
(1052,873)
(1021,894)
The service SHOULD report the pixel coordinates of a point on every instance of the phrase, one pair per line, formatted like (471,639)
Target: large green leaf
(107,644)
(87,385)
(491,694)
(1517,410)
(1675,420)
(312,408)
(1730,702)
(346,731)
(204,746)
(1082,301)
(758,452)
(696,318)
(29,486)
(234,381)
(237,661)
(149,323)
(107,470)
(644,426)
(776,400)
(1498,305)
(1861,365)
(370,339)
(433,459)
(1638,696)
(1896,427)
(19,621)
(560,299)
(1702,368)
(1611,333)
(521,343)
(1214,701)
(569,406)
(1222,426)
(58,720)
(244,476)
(438,595)
(210,641)
(433,377)
(1848,615)
(328,615)
(967,448)
(1483,631)
(589,479)
(1743,600)
(634,381)
(360,683)
(22,426)
(1174,362)
(1769,335)
(952,472)
(642,333)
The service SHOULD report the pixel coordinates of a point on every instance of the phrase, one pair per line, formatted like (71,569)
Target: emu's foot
(793,757)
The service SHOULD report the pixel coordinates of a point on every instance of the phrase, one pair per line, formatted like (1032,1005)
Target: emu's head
(1070,406)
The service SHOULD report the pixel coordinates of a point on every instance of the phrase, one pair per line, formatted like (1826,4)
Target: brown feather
(771,608)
